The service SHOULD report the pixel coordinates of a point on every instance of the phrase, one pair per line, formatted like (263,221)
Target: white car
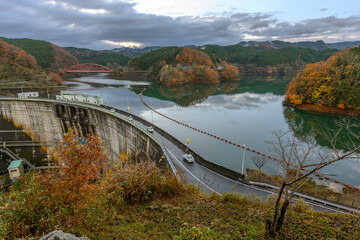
(150,129)
(188,157)
(131,118)
(112,110)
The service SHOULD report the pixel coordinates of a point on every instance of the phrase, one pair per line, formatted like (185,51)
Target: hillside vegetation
(185,65)
(262,60)
(137,200)
(332,83)
(262,56)
(19,68)
(16,65)
(49,56)
(100,57)
(317,45)
(167,54)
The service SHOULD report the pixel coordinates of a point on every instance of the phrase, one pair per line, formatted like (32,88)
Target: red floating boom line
(242,146)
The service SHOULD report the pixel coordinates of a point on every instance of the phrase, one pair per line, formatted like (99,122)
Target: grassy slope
(137,201)
(213,217)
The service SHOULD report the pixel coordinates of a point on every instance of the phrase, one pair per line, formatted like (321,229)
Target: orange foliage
(332,83)
(79,163)
(53,77)
(61,73)
(190,56)
(229,72)
(194,66)
(342,106)
(15,55)
(172,75)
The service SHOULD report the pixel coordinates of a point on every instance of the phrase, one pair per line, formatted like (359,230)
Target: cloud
(240,101)
(96,23)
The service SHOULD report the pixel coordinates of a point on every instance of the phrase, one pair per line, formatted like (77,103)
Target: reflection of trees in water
(305,124)
(228,87)
(191,94)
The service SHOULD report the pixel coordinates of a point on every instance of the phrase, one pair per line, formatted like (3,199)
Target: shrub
(140,182)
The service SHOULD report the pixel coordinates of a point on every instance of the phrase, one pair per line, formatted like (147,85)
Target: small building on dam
(46,121)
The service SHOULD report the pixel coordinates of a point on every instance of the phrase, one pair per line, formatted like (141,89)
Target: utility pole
(243,159)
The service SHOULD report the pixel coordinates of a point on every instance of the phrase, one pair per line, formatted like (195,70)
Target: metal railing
(102,109)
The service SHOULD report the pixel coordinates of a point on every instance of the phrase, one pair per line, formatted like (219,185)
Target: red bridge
(88,67)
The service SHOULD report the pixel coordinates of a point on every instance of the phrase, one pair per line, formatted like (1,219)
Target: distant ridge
(343,45)
(317,45)
(134,52)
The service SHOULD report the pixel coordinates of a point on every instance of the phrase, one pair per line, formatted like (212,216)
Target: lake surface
(245,112)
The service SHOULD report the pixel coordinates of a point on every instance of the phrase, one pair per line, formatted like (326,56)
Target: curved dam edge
(46,120)
(207,164)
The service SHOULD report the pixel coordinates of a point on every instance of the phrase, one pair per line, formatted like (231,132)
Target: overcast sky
(106,24)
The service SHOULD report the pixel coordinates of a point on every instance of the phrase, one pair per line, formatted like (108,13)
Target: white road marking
(192,173)
(270,192)
(240,183)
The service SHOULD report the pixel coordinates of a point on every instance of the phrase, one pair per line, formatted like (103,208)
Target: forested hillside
(174,66)
(260,60)
(333,83)
(262,56)
(16,66)
(167,54)
(100,57)
(49,56)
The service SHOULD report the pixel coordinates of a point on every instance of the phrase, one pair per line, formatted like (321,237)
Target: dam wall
(46,121)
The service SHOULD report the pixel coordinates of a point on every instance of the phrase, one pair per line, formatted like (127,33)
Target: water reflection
(193,94)
(246,112)
(305,124)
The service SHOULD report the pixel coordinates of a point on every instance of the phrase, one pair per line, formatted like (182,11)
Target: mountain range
(318,45)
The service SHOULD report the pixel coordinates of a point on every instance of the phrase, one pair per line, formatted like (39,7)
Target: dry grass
(349,197)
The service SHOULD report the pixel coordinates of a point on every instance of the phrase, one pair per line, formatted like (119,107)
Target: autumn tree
(335,82)
(78,161)
(59,197)
(229,72)
(190,56)
(55,78)
(295,155)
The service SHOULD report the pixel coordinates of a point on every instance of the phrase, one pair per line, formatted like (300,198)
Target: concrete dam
(45,121)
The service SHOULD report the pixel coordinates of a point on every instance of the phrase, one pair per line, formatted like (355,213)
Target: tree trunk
(271,225)
(281,217)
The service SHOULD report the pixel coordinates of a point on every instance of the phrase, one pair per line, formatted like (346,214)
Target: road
(211,182)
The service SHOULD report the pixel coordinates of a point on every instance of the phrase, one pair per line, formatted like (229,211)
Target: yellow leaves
(295,99)
(327,83)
